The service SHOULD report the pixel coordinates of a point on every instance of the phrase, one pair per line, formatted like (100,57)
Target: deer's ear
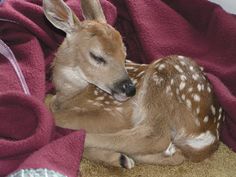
(60,15)
(92,10)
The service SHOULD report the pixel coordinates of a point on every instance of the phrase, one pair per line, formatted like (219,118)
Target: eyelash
(97,58)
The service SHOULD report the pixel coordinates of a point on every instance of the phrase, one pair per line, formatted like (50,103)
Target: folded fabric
(59,158)
(198,29)
(29,141)
(26,125)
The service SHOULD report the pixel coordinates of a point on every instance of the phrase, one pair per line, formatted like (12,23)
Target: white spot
(97,104)
(213,110)
(189,103)
(170,150)
(182,85)
(183,77)
(90,101)
(206,118)
(219,117)
(209,89)
(107,109)
(120,109)
(168,89)
(218,125)
(177,67)
(134,81)
(198,110)
(197,122)
(77,108)
(172,81)
(100,98)
(143,64)
(155,73)
(129,68)
(190,89)
(181,57)
(95,92)
(182,63)
(220,113)
(157,79)
(204,78)
(196,97)
(201,68)
(199,87)
(191,68)
(220,110)
(201,141)
(107,102)
(117,102)
(183,97)
(140,74)
(203,87)
(161,67)
(195,76)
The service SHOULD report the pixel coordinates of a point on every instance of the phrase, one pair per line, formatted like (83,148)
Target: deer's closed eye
(98,59)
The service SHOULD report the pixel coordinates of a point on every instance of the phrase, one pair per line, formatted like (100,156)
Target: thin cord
(1,2)
(8,54)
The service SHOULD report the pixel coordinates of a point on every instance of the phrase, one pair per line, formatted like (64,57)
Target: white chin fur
(120,97)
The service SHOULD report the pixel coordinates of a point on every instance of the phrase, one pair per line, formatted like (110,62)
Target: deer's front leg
(160,158)
(138,140)
(108,157)
(91,121)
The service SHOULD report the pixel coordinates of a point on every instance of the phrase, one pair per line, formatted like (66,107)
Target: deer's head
(92,46)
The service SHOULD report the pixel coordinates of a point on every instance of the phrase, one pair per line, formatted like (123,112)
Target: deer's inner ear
(60,15)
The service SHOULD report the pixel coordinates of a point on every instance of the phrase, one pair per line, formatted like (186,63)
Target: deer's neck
(72,79)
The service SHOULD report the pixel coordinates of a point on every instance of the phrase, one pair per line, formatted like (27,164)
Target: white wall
(228,5)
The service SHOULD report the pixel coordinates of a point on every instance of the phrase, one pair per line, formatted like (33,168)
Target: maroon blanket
(151,29)
(27,135)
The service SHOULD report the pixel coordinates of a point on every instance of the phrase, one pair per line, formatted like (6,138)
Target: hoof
(126,162)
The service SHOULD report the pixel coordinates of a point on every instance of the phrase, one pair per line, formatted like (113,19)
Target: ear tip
(45,5)
(60,15)
(92,10)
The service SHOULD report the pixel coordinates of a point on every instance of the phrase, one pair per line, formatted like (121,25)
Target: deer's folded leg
(160,158)
(138,140)
(108,157)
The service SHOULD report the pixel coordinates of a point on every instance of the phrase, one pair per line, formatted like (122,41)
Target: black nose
(128,88)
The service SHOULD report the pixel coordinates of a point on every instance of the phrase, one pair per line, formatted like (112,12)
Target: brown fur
(173,98)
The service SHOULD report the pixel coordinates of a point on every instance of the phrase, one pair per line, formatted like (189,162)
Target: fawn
(161,113)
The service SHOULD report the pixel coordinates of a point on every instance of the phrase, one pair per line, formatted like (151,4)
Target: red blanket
(28,138)
(151,29)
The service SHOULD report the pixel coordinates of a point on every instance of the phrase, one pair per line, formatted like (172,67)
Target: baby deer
(173,116)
